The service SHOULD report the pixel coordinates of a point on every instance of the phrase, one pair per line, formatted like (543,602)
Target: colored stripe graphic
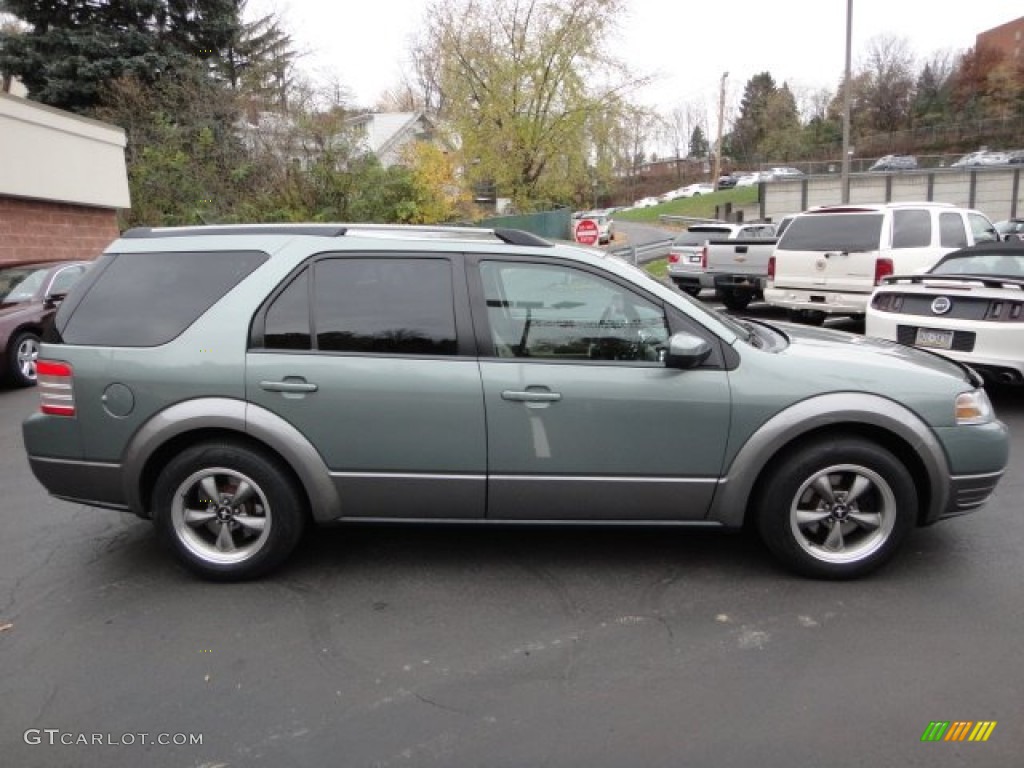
(958,730)
(983,730)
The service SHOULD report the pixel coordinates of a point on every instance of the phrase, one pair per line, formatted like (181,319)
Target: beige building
(62,181)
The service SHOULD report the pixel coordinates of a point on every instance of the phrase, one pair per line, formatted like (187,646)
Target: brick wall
(1008,38)
(33,230)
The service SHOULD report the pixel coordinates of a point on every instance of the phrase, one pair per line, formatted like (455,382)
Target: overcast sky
(686,45)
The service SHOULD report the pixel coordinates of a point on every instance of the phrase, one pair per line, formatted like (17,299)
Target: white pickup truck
(730,258)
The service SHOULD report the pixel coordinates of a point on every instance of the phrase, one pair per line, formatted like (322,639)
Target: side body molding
(236,416)
(730,504)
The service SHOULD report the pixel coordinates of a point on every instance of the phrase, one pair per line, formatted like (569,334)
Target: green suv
(237,384)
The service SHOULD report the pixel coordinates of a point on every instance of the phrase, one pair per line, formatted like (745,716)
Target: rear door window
(385,305)
(148,299)
(951,231)
(911,229)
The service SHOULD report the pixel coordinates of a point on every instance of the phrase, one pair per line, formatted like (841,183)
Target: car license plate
(935,339)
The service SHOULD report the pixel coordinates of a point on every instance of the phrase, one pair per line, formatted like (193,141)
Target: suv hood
(859,352)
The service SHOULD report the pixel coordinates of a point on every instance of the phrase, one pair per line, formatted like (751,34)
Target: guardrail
(641,254)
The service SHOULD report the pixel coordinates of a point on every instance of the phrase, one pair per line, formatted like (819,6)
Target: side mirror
(686,351)
(54,299)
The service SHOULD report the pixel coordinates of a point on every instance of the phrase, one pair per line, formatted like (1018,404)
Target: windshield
(833,232)
(996,265)
(19,284)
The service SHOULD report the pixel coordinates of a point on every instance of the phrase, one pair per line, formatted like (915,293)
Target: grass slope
(701,207)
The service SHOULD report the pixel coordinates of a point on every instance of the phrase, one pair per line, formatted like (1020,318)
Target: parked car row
(987,157)
(929,275)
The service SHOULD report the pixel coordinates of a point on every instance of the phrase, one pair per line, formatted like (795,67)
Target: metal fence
(555,224)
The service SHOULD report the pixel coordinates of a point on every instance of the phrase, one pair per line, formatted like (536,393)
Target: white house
(387,134)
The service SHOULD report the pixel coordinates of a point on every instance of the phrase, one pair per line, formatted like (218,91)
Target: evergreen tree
(73,47)
(752,124)
(698,143)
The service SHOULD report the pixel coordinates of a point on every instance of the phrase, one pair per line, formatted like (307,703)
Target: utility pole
(717,167)
(844,178)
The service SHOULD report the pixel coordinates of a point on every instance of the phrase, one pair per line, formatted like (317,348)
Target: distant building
(62,181)
(1008,38)
(387,134)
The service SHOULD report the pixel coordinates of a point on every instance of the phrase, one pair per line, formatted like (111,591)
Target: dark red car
(29,295)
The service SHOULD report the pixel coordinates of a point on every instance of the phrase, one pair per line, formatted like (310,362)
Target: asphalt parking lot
(397,646)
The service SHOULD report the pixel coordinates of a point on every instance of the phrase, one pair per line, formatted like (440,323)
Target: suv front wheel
(836,509)
(229,512)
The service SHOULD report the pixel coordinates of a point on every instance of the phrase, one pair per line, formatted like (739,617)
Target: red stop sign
(587,232)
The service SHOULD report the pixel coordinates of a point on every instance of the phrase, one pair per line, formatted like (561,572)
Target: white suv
(831,258)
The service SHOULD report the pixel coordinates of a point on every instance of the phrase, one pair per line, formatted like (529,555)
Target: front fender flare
(841,408)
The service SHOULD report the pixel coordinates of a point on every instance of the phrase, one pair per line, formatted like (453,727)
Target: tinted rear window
(147,299)
(836,232)
(397,306)
(701,236)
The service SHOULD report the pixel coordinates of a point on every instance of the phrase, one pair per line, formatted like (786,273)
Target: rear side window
(287,322)
(951,231)
(911,229)
(148,299)
(397,306)
(833,232)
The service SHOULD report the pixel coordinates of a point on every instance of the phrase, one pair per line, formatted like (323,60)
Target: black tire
(736,300)
(689,290)
(807,316)
(848,482)
(228,539)
(22,353)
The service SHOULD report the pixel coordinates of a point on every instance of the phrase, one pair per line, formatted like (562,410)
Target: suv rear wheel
(836,509)
(229,512)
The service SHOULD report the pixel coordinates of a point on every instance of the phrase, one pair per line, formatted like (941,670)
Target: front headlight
(973,408)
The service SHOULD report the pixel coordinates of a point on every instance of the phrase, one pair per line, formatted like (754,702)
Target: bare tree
(889,68)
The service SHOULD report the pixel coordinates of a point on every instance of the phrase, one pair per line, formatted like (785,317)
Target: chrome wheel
(27,355)
(221,516)
(843,514)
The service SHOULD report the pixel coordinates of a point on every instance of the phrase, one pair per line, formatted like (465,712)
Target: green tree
(520,84)
(752,124)
(698,143)
(71,48)
(782,136)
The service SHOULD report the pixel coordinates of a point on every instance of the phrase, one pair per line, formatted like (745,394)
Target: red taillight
(673,258)
(771,267)
(56,396)
(883,268)
(704,257)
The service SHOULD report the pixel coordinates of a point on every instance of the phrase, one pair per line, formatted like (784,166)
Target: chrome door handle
(288,386)
(531,396)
